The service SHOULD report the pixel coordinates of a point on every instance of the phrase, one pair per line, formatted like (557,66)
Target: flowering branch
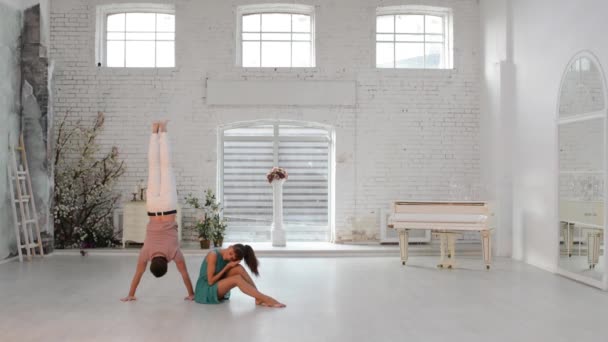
(84,178)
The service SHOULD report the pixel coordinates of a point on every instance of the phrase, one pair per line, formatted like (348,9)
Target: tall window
(249,151)
(413,37)
(276,36)
(136,36)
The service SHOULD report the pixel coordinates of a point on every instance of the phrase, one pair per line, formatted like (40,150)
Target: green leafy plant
(211,226)
(193,201)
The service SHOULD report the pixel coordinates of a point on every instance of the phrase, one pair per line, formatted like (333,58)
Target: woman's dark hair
(158,266)
(246,252)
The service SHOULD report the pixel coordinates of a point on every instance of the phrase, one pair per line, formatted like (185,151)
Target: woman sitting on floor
(221,271)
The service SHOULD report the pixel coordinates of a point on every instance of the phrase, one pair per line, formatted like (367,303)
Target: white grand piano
(444,219)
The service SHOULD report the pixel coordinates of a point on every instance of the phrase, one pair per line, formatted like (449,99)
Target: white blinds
(250,152)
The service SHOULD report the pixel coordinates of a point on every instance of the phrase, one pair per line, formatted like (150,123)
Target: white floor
(74,298)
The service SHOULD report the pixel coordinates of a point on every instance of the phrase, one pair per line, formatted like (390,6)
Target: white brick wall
(412,134)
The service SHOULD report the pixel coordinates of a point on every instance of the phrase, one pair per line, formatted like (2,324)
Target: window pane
(301,23)
(305,198)
(409,55)
(385,37)
(276,22)
(410,38)
(301,36)
(247,195)
(165,22)
(116,36)
(409,24)
(434,38)
(116,22)
(276,36)
(141,22)
(276,54)
(251,36)
(115,54)
(585,64)
(385,24)
(251,23)
(140,54)
(165,36)
(140,40)
(165,54)
(434,57)
(286,130)
(385,55)
(141,36)
(434,24)
(575,66)
(257,131)
(251,54)
(301,54)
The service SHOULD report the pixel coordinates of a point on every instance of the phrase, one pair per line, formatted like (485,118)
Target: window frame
(274,8)
(102,13)
(276,139)
(445,12)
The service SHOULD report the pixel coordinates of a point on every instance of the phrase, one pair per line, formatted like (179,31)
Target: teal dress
(205,293)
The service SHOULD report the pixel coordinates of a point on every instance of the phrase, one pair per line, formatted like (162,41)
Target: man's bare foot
(163,125)
(155,126)
(258,302)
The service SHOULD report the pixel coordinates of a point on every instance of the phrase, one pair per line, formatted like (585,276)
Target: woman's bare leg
(228,283)
(240,270)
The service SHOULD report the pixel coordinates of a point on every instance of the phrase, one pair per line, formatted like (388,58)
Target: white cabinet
(135,220)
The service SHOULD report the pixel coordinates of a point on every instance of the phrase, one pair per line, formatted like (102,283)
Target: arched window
(249,150)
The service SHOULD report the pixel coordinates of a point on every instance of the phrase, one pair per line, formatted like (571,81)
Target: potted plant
(210,225)
(201,224)
(213,211)
(219,232)
(205,232)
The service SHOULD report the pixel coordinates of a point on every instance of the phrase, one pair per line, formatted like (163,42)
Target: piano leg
(486,243)
(451,250)
(442,248)
(593,245)
(570,239)
(403,245)
(447,249)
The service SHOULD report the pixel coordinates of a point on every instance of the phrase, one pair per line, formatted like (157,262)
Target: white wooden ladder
(27,228)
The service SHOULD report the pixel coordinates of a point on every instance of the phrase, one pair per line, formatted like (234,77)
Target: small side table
(135,220)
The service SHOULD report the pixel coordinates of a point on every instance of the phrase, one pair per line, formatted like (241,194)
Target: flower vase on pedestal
(277,232)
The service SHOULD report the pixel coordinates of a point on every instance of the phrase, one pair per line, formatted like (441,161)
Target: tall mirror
(582,171)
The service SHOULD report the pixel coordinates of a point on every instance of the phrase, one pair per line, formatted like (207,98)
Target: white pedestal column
(277,232)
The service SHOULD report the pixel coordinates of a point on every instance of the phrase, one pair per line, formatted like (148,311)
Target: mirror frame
(603,284)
